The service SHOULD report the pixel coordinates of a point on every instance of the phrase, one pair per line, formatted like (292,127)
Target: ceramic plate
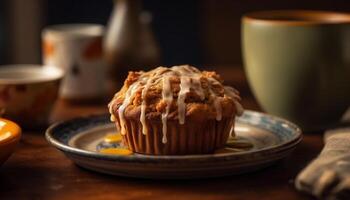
(271,139)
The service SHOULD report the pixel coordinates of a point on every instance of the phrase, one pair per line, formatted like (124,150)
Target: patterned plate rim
(149,158)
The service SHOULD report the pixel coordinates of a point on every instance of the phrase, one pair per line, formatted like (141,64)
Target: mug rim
(74,30)
(306,17)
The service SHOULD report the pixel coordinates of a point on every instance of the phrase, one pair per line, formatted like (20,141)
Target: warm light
(241,129)
(5,135)
(2,124)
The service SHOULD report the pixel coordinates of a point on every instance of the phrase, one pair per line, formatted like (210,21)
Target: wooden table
(38,171)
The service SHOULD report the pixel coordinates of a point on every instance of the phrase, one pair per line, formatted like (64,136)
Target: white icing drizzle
(218,108)
(190,79)
(110,109)
(231,92)
(167,96)
(143,96)
(112,118)
(217,104)
(234,94)
(143,107)
(128,97)
(232,132)
(216,99)
(185,85)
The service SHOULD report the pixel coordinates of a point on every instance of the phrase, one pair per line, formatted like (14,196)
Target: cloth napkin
(328,176)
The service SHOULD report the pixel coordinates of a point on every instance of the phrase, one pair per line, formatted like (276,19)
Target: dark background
(200,32)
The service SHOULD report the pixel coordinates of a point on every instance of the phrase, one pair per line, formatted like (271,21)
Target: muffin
(175,111)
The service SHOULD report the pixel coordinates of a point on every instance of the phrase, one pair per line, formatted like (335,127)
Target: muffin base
(193,137)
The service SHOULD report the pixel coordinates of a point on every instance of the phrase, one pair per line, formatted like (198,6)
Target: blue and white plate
(271,139)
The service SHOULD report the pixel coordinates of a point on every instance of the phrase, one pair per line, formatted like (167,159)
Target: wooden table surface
(38,171)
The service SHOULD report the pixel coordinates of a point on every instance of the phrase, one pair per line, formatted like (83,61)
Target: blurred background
(198,32)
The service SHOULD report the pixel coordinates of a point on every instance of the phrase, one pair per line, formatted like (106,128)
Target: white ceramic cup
(77,49)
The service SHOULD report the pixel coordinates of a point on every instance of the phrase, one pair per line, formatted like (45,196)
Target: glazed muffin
(175,111)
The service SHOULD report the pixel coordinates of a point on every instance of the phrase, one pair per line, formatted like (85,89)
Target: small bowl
(10,133)
(28,93)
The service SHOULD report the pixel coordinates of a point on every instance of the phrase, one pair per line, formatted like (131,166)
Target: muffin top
(176,93)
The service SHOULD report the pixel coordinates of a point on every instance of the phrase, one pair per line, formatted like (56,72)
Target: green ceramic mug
(298,64)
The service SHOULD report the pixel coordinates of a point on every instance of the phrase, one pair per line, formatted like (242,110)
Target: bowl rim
(46,73)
